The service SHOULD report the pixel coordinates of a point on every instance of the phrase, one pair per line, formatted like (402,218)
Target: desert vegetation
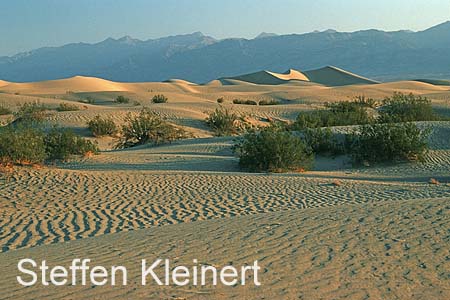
(102,126)
(388,142)
(67,107)
(244,102)
(27,145)
(148,128)
(336,114)
(407,108)
(160,98)
(224,122)
(273,150)
(31,112)
(269,102)
(122,100)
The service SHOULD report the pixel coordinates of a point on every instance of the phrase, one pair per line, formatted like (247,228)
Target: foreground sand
(382,233)
(386,250)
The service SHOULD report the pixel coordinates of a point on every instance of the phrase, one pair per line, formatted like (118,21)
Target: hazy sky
(29,24)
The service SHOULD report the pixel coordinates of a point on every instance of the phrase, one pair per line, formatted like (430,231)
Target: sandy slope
(382,233)
(332,76)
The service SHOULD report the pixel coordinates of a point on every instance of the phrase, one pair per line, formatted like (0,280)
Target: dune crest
(3,83)
(270,78)
(333,76)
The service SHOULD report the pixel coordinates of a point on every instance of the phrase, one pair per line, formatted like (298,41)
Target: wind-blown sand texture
(382,233)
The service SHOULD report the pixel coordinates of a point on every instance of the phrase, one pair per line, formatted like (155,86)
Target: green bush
(269,102)
(245,102)
(122,100)
(389,142)
(60,144)
(323,141)
(406,108)
(22,145)
(101,127)
(148,128)
(4,110)
(273,151)
(337,114)
(31,112)
(67,107)
(159,99)
(223,122)
(366,102)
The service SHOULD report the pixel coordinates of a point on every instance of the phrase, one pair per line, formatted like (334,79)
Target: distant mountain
(199,58)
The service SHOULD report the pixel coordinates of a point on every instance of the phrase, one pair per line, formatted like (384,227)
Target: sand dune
(73,84)
(332,76)
(270,78)
(3,83)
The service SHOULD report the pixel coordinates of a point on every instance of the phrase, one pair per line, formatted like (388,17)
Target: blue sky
(29,24)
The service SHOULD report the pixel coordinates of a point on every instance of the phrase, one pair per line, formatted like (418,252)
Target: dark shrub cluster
(67,107)
(269,102)
(61,144)
(336,114)
(25,145)
(102,126)
(388,142)
(244,102)
(323,141)
(31,112)
(223,122)
(220,100)
(122,99)
(160,99)
(407,108)
(272,150)
(366,102)
(148,128)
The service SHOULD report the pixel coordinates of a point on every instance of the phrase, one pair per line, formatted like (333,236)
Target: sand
(382,233)
(333,76)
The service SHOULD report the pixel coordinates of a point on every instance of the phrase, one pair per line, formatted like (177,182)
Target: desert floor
(382,233)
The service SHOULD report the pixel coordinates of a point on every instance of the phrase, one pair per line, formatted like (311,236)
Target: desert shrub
(220,100)
(269,102)
(4,110)
(323,141)
(244,102)
(101,127)
(406,108)
(31,112)
(22,145)
(273,151)
(223,122)
(160,99)
(60,144)
(366,102)
(389,142)
(337,114)
(148,128)
(67,107)
(122,99)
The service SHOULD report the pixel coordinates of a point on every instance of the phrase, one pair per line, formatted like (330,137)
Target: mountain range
(199,58)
